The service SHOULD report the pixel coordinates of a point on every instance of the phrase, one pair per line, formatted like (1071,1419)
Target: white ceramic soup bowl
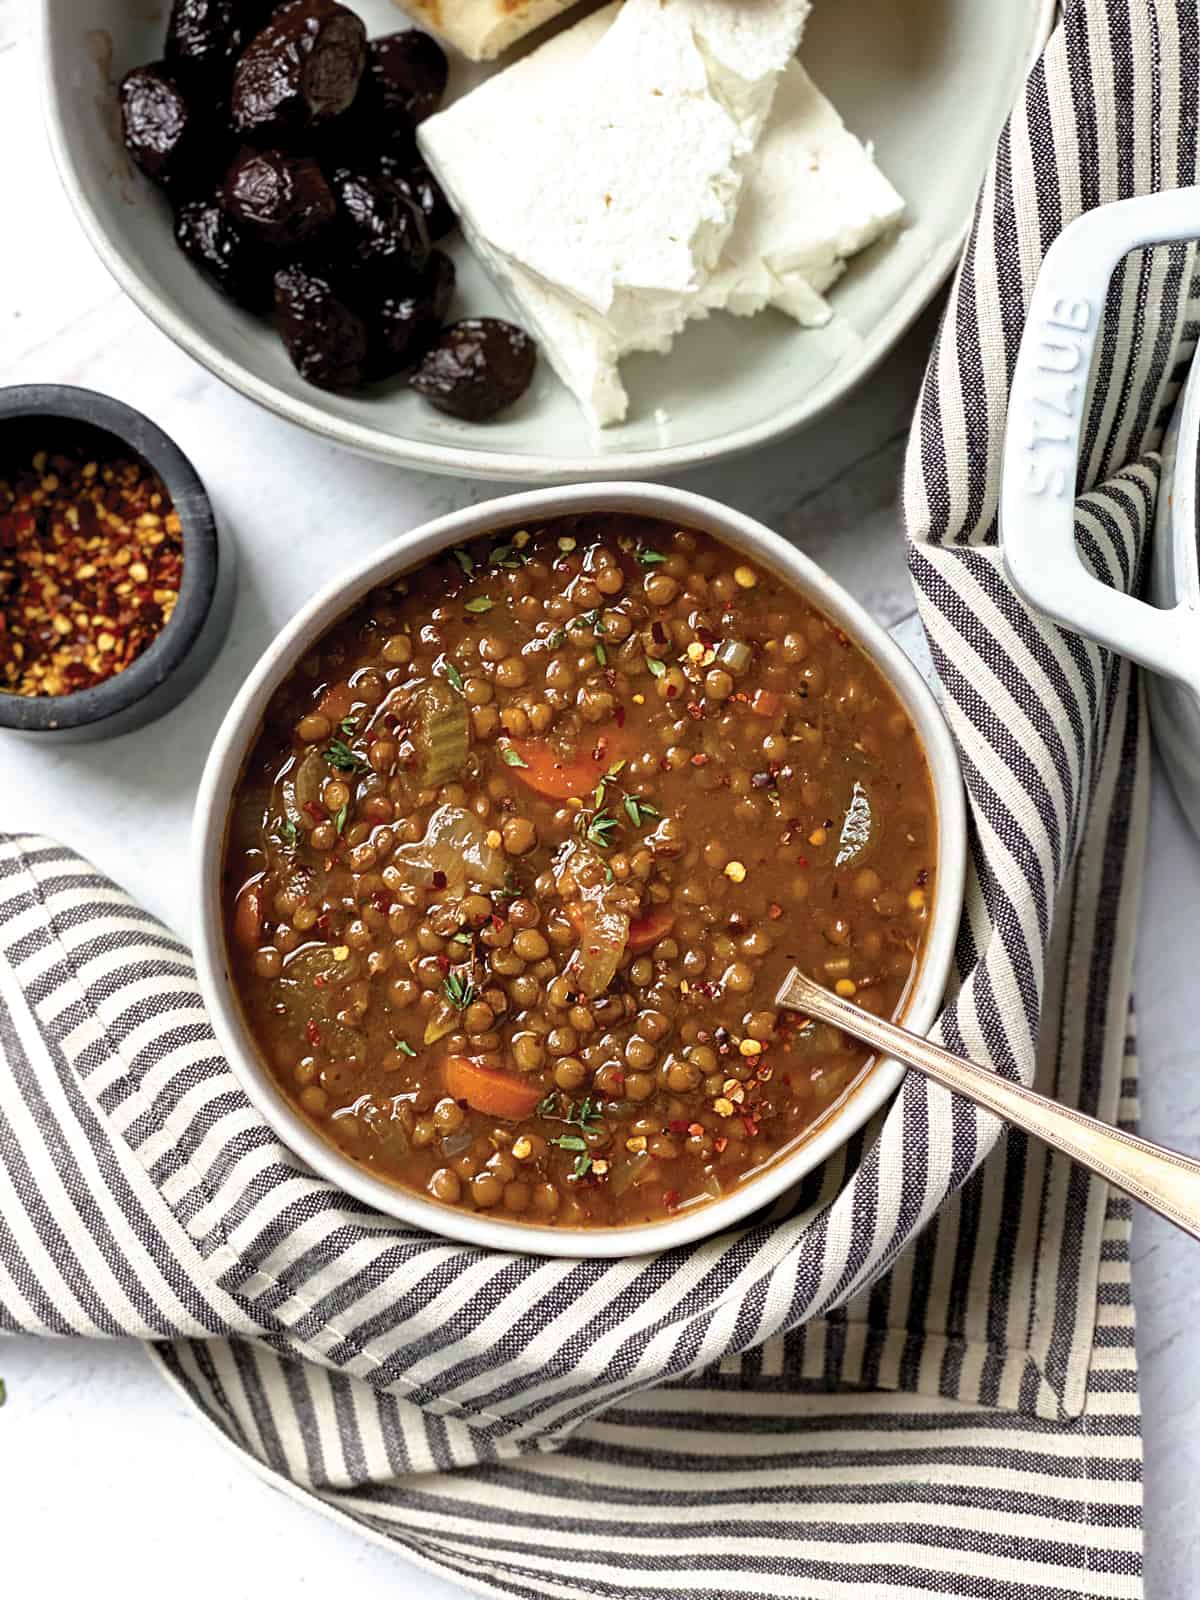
(239,729)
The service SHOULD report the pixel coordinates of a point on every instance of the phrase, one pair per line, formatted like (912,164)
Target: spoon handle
(1162,1179)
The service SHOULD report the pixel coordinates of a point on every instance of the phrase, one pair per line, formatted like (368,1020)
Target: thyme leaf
(339,754)
(639,811)
(601,830)
(459,991)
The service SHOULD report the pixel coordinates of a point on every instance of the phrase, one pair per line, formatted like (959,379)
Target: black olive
(163,133)
(360,139)
(325,338)
(405,324)
(236,265)
(440,278)
(208,35)
(278,198)
(403,82)
(419,184)
(301,70)
(477,368)
(408,71)
(378,229)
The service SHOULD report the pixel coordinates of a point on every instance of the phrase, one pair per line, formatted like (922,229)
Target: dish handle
(1045,419)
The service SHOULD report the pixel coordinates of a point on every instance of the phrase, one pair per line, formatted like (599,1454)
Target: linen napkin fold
(916,1374)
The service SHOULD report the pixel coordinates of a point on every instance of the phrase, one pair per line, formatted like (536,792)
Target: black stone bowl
(53,416)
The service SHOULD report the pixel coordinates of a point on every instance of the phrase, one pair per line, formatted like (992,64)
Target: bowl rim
(143,438)
(497,465)
(233,739)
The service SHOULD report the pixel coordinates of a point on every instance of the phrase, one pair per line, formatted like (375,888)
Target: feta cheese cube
(652,164)
(606,198)
(813,197)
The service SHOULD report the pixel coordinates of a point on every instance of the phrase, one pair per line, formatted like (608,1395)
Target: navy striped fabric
(916,1375)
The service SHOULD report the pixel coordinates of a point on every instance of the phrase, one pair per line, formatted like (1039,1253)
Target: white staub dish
(927,84)
(1046,413)
(239,729)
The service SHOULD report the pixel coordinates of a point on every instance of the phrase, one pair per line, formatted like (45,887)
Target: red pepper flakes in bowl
(91,560)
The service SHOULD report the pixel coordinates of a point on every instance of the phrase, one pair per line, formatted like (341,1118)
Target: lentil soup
(527,844)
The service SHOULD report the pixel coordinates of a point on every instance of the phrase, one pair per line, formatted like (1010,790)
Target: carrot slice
(248,913)
(335,703)
(490,1090)
(766,703)
(653,925)
(547,772)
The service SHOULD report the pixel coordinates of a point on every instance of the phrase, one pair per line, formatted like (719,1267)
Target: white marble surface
(92,1445)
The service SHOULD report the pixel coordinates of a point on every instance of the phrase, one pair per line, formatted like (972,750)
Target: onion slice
(302,786)
(454,844)
(603,929)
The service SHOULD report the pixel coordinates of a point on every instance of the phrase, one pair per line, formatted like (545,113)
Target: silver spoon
(1161,1179)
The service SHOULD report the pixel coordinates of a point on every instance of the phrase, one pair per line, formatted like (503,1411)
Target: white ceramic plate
(929,81)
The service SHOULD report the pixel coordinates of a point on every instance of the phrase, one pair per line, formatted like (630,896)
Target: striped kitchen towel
(913,1377)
